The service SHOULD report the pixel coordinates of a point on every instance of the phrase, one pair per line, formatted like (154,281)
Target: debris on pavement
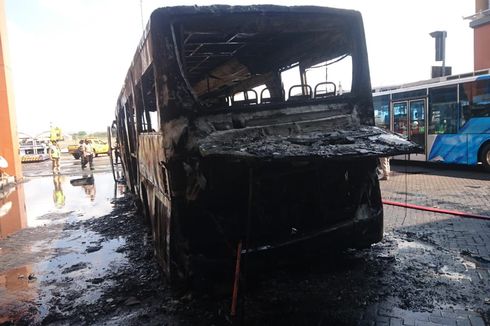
(416,271)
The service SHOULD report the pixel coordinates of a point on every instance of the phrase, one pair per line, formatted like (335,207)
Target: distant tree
(99,134)
(102,135)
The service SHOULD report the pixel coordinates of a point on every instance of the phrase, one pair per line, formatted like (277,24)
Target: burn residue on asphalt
(121,282)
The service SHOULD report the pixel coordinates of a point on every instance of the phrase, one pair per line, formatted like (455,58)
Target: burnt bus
(252,126)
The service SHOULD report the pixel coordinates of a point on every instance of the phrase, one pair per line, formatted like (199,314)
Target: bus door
(417,127)
(409,121)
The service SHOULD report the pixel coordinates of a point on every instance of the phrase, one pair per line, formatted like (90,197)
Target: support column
(9,142)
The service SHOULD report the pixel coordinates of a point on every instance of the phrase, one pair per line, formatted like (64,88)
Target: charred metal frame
(274,174)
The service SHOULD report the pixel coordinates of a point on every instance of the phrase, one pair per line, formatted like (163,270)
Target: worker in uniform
(54,155)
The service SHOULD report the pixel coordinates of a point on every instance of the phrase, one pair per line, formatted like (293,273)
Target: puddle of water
(72,268)
(16,289)
(15,280)
(79,265)
(53,201)
(59,196)
(48,200)
(13,215)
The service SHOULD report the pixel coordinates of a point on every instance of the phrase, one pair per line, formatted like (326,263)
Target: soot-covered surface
(257,143)
(104,272)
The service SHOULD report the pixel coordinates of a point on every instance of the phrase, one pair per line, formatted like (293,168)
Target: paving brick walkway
(467,240)
(467,191)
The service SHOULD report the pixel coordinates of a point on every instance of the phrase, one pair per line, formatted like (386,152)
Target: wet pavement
(75,251)
(38,249)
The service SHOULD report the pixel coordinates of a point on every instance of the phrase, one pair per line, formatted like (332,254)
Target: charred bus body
(223,145)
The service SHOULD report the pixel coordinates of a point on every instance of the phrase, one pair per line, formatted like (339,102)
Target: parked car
(100,147)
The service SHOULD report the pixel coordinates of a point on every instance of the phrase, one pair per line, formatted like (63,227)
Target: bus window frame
(451,106)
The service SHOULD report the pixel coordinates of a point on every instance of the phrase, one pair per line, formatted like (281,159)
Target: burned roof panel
(226,9)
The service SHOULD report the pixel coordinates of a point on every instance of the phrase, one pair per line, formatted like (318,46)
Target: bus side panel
(478,131)
(450,148)
(475,141)
(151,157)
(154,193)
(430,143)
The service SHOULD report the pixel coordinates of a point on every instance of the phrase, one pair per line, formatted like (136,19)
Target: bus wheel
(485,156)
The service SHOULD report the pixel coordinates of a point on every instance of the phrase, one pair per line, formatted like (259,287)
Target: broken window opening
(219,62)
(338,72)
(130,124)
(248,97)
(145,99)
(290,78)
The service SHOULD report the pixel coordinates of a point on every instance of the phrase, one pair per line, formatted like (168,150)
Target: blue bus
(448,116)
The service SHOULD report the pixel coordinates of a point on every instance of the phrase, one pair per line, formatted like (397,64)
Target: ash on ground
(410,269)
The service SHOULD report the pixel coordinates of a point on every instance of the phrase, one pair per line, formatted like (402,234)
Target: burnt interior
(276,203)
(237,52)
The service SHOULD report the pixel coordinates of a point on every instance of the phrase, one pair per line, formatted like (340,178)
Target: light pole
(440,37)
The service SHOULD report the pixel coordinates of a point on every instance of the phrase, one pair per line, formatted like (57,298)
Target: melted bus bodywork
(221,146)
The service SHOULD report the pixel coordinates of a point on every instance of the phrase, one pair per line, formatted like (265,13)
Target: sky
(68,58)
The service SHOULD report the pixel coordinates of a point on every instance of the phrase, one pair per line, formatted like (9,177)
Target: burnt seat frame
(305,95)
(267,100)
(326,94)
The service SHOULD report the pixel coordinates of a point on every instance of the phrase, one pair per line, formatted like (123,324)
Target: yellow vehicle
(99,146)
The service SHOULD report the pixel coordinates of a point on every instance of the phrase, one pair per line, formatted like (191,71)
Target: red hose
(437,210)
(234,298)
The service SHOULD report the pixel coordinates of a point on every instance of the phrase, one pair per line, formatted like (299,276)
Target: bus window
(381,106)
(145,102)
(338,71)
(481,98)
(291,77)
(474,99)
(400,118)
(443,110)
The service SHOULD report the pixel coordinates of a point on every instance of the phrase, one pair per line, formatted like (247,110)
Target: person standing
(54,155)
(384,162)
(81,151)
(89,153)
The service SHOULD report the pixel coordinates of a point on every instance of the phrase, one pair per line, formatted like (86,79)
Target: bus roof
(209,36)
(434,82)
(227,9)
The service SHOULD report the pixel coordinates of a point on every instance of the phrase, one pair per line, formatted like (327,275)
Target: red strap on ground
(436,210)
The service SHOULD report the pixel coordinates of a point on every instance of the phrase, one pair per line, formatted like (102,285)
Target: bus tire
(485,156)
